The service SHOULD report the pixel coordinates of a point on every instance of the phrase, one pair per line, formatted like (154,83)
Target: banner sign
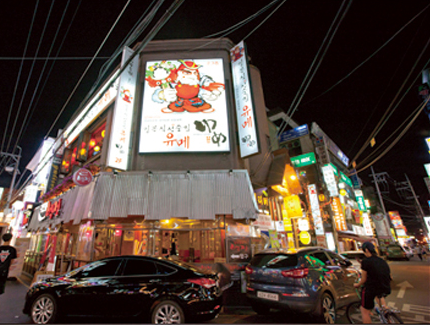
(345,179)
(366,224)
(395,219)
(360,200)
(175,93)
(293,133)
(246,120)
(120,135)
(315,208)
(427,222)
(382,226)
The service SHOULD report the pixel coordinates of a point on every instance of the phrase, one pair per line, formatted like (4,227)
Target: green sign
(360,200)
(345,179)
(303,160)
(335,171)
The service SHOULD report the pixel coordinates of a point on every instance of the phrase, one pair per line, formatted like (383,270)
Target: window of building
(96,141)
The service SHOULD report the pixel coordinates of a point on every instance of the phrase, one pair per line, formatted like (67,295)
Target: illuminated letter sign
(123,114)
(338,216)
(303,160)
(360,200)
(246,121)
(184,107)
(330,180)
(366,224)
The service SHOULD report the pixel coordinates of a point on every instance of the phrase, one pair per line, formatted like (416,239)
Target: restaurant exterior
(147,170)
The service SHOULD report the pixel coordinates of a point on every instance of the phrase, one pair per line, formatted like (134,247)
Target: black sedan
(161,290)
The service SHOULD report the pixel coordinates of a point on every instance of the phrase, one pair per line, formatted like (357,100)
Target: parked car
(355,257)
(160,290)
(309,280)
(396,252)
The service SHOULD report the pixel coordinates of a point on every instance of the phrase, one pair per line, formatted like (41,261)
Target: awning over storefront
(162,195)
(351,235)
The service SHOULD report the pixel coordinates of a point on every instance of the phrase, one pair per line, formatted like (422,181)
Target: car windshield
(395,249)
(274,260)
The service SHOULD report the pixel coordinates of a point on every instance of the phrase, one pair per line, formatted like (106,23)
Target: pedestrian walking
(424,252)
(7,254)
(420,252)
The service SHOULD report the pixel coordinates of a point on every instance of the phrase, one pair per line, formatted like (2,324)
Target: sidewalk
(12,302)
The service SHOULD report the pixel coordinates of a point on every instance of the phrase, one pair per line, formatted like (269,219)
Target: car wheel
(44,310)
(328,309)
(167,312)
(260,309)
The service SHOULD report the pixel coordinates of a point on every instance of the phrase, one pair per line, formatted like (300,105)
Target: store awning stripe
(102,197)
(83,203)
(202,193)
(69,199)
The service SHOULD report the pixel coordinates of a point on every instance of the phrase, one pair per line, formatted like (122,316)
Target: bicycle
(384,314)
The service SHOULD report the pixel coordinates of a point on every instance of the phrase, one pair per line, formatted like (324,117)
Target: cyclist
(375,279)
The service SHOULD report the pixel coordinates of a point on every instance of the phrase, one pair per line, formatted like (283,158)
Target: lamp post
(16,158)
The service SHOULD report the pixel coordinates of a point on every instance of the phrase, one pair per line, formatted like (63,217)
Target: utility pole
(16,159)
(380,197)
(420,210)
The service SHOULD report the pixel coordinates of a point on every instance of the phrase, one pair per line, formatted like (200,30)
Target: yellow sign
(342,192)
(321,197)
(287,220)
(293,206)
(305,237)
(338,216)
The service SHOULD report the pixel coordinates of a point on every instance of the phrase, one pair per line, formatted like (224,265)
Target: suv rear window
(274,261)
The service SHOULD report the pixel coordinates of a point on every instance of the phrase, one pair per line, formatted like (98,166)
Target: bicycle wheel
(393,318)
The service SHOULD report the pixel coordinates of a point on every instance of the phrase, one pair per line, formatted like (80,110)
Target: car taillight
(296,273)
(204,282)
(248,269)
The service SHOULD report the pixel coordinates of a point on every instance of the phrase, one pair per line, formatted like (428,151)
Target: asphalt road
(410,294)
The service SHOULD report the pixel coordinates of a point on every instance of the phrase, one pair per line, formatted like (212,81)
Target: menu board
(238,249)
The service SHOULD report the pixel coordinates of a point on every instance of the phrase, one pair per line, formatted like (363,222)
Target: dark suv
(309,280)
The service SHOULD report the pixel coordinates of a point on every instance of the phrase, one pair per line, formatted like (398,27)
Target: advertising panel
(395,219)
(184,107)
(330,180)
(338,216)
(360,200)
(382,226)
(316,130)
(120,134)
(245,115)
(239,249)
(315,208)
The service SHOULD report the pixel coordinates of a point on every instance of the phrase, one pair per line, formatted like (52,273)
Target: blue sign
(356,181)
(294,133)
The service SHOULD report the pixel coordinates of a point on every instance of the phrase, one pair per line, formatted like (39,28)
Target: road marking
(416,320)
(416,309)
(391,304)
(403,286)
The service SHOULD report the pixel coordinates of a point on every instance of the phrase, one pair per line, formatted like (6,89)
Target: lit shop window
(73,161)
(96,141)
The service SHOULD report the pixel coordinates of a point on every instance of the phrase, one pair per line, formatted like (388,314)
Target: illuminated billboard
(184,107)
(395,219)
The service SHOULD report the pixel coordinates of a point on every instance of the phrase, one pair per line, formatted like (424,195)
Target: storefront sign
(303,224)
(175,93)
(119,140)
(287,220)
(264,222)
(323,155)
(427,222)
(360,200)
(274,241)
(82,177)
(304,160)
(356,181)
(293,133)
(345,179)
(315,208)
(30,193)
(316,130)
(238,249)
(245,115)
(53,209)
(305,237)
(321,241)
(381,226)
(330,180)
(91,111)
(427,168)
(238,230)
(401,232)
(338,216)
(53,175)
(330,241)
(366,224)
(358,230)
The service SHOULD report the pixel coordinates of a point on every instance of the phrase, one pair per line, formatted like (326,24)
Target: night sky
(282,48)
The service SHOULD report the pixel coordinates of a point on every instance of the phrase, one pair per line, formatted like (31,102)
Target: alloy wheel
(43,310)
(167,314)
(329,311)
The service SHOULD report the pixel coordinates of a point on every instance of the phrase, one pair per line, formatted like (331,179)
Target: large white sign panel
(315,208)
(123,114)
(366,224)
(87,116)
(330,180)
(184,107)
(427,222)
(246,121)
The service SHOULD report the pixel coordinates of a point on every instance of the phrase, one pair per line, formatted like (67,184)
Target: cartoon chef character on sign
(183,87)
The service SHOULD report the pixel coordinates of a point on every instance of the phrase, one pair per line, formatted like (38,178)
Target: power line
(371,56)
(63,58)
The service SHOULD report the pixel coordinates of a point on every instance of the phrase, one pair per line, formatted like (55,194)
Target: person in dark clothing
(375,277)
(7,254)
